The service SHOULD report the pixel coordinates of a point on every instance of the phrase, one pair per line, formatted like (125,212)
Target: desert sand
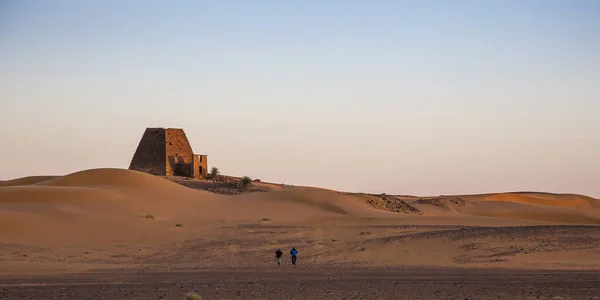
(114,221)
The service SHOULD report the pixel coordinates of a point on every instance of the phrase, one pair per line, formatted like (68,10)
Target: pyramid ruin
(167,152)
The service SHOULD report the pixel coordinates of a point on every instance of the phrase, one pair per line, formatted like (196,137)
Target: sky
(398,97)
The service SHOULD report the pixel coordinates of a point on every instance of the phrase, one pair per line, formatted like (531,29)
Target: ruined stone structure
(167,152)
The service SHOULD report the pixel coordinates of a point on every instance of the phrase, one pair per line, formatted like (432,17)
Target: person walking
(294,253)
(278,255)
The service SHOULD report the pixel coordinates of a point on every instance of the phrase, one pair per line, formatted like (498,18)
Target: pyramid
(167,152)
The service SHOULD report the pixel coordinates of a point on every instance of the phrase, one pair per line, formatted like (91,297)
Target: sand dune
(328,201)
(111,178)
(102,218)
(26,180)
(543,207)
(516,210)
(546,199)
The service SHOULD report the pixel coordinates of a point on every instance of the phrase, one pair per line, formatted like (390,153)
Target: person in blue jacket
(294,252)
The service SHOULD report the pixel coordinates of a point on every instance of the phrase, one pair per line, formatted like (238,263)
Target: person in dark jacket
(294,253)
(278,255)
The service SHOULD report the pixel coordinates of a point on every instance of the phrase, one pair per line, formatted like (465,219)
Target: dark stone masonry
(167,152)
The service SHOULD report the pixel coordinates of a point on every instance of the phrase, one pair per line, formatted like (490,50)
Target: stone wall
(179,153)
(199,166)
(167,152)
(149,156)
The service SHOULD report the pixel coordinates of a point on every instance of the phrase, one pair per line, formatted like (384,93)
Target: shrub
(365,233)
(265,219)
(178,225)
(193,296)
(214,173)
(246,182)
(149,216)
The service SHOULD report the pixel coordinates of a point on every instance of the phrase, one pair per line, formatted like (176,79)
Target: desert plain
(122,234)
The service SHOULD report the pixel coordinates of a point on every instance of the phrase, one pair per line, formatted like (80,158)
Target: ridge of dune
(28,180)
(53,194)
(544,199)
(111,177)
(544,207)
(545,195)
(532,211)
(307,200)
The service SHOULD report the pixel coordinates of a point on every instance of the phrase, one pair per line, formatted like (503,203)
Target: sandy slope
(26,180)
(106,218)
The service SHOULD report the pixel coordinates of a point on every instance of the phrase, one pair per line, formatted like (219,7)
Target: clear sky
(407,97)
